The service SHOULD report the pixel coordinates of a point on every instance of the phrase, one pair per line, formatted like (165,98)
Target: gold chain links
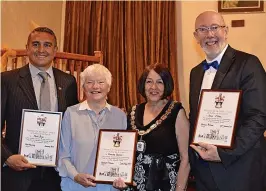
(153,126)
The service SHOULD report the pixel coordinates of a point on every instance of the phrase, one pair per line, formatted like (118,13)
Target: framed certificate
(39,136)
(115,156)
(217,116)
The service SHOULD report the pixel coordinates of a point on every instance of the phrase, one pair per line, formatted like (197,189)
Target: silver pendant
(141,146)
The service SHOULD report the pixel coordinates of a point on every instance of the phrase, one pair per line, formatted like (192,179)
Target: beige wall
(251,38)
(16,17)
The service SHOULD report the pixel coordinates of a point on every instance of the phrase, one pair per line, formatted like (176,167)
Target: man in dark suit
(241,168)
(20,89)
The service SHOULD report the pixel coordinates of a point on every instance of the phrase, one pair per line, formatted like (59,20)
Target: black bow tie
(213,64)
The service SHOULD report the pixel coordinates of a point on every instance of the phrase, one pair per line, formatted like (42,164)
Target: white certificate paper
(39,136)
(115,156)
(217,117)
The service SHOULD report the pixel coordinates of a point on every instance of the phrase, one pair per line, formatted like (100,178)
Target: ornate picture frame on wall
(235,6)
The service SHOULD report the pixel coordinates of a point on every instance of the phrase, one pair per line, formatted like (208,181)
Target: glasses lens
(214,28)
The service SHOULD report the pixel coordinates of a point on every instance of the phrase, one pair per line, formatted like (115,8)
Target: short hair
(164,73)
(43,29)
(98,69)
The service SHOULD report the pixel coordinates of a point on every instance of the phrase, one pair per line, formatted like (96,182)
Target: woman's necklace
(141,144)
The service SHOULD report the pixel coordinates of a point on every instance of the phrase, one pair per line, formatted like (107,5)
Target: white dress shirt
(37,81)
(210,73)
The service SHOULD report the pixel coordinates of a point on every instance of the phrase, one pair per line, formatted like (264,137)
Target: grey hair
(98,69)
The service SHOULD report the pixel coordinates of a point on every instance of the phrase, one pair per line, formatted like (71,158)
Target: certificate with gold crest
(115,156)
(217,117)
(39,136)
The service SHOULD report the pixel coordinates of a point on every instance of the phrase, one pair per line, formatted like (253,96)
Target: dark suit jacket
(242,167)
(17,93)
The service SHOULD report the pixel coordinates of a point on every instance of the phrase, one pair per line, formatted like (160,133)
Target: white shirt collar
(219,57)
(84,106)
(34,71)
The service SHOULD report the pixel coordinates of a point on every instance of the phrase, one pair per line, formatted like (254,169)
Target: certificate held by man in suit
(217,117)
(39,136)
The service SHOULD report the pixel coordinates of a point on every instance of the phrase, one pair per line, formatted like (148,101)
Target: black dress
(156,167)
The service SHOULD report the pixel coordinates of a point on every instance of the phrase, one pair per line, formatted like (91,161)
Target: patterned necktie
(45,103)
(213,64)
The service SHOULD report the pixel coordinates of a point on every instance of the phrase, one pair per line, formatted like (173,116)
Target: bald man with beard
(241,168)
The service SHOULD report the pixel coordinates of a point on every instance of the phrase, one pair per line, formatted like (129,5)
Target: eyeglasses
(205,30)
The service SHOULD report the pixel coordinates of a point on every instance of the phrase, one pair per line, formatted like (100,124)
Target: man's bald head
(211,33)
(207,17)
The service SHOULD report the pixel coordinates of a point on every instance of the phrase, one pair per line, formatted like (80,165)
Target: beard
(213,50)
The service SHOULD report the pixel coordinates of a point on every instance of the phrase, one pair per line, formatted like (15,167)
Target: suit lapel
(197,81)
(25,83)
(225,64)
(59,82)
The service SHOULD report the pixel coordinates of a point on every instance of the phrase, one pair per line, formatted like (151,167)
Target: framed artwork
(234,6)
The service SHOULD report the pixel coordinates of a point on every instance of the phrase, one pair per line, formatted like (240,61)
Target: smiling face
(212,42)
(154,87)
(41,49)
(96,88)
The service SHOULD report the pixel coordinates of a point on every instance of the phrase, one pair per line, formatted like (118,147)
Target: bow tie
(213,64)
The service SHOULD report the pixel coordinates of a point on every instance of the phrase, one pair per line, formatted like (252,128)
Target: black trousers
(203,177)
(39,179)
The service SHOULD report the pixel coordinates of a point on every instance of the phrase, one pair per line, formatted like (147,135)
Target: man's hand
(18,163)
(85,180)
(207,152)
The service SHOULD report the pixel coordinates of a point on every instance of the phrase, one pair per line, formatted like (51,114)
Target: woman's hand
(85,180)
(179,188)
(119,184)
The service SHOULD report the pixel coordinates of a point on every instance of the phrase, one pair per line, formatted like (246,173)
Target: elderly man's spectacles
(205,30)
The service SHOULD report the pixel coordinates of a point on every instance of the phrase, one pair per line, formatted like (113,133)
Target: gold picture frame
(234,6)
